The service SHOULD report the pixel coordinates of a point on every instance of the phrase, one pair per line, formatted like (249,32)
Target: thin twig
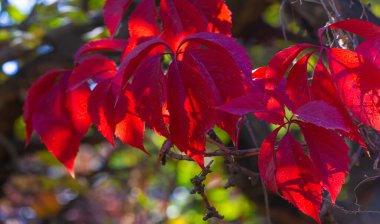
(199,188)
(266,199)
(349,212)
(282,20)
(250,131)
(359,184)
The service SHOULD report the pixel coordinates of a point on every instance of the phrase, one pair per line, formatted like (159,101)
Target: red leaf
(371,32)
(227,77)
(217,14)
(321,114)
(95,67)
(274,113)
(370,49)
(262,104)
(280,63)
(358,82)
(225,45)
(114,114)
(259,73)
(143,20)
(60,118)
(296,177)
(250,103)
(133,59)
(130,129)
(113,13)
(149,89)
(323,88)
(113,45)
(362,28)
(179,19)
(100,100)
(38,89)
(267,162)
(329,153)
(191,107)
(297,83)
(224,78)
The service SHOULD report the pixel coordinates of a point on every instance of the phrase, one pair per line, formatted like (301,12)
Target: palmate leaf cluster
(209,81)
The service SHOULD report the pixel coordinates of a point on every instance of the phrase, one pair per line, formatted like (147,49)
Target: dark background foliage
(123,185)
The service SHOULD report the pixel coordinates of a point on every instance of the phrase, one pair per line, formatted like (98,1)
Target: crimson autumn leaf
(320,113)
(323,88)
(113,13)
(112,45)
(149,88)
(194,86)
(58,116)
(297,84)
(321,102)
(217,14)
(330,154)
(267,161)
(143,20)
(209,70)
(96,67)
(358,82)
(296,177)
(180,103)
(189,117)
(280,63)
(369,31)
(113,113)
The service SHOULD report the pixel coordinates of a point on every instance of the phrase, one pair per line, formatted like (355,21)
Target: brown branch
(199,188)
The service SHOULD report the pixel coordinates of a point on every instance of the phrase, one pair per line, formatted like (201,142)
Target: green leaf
(16,15)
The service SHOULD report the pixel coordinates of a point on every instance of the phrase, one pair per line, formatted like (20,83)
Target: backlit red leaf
(149,89)
(224,78)
(60,118)
(249,103)
(130,128)
(370,31)
(217,14)
(297,84)
(94,46)
(225,45)
(101,100)
(362,28)
(113,13)
(179,19)
(297,178)
(95,67)
(143,20)
(267,161)
(370,49)
(321,114)
(323,88)
(191,107)
(358,82)
(133,59)
(281,62)
(329,153)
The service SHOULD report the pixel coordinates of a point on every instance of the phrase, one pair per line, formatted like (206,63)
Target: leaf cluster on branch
(180,73)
